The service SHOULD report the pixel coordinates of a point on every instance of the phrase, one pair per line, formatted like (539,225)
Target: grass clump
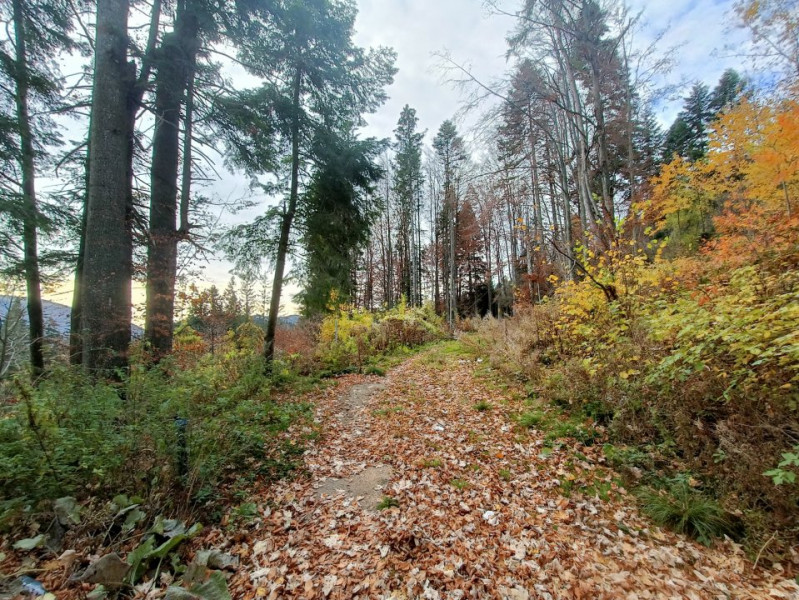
(532,419)
(685,510)
(482,406)
(387,502)
(460,484)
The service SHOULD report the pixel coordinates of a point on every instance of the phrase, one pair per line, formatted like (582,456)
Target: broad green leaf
(30,543)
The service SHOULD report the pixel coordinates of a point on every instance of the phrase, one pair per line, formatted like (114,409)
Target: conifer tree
(39,32)
(318,81)
(408,183)
(450,150)
(337,212)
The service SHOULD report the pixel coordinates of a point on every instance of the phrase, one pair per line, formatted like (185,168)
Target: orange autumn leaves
(748,183)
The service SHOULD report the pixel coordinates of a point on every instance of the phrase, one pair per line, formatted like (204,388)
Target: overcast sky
(420,29)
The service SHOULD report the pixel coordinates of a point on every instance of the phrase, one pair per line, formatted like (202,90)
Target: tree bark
(75,336)
(174,61)
(285,228)
(33,281)
(106,315)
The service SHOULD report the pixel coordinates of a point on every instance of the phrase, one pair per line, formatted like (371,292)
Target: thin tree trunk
(434,226)
(453,299)
(30,210)
(188,130)
(390,265)
(75,335)
(285,228)
(489,273)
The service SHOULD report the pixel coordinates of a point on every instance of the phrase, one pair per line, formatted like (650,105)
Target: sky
(421,30)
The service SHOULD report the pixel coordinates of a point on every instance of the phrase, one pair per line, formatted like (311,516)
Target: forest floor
(422,485)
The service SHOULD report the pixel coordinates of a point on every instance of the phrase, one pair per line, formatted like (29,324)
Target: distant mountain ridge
(56,316)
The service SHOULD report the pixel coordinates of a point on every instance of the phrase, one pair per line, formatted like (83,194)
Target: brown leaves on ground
(479,512)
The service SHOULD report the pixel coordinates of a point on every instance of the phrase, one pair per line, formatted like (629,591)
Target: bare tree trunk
(106,315)
(434,226)
(285,227)
(175,62)
(188,131)
(489,273)
(390,264)
(30,209)
(75,336)
(453,292)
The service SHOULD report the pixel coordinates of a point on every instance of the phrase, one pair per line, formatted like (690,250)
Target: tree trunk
(390,264)
(75,335)
(285,227)
(30,209)
(453,224)
(174,62)
(106,311)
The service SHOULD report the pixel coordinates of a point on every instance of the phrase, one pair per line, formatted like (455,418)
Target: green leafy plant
(782,474)
(482,406)
(531,419)
(387,502)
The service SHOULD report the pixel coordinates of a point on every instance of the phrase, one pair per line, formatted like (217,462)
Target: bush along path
(427,484)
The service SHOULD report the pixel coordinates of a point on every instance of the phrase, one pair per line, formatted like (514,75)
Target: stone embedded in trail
(368,485)
(357,398)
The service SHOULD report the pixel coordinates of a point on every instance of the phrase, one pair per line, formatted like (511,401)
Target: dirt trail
(365,487)
(476,509)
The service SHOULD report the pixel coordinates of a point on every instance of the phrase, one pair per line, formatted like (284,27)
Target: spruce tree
(336,215)
(318,80)
(39,32)
(450,150)
(408,183)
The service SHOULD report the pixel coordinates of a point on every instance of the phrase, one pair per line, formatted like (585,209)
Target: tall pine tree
(408,183)
(39,32)
(318,81)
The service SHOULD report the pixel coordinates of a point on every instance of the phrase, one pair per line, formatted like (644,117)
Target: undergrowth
(170,434)
(685,510)
(681,373)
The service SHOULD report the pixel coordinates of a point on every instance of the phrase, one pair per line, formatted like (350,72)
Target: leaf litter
(477,511)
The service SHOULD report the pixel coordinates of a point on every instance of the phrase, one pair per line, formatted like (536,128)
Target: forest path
(471,506)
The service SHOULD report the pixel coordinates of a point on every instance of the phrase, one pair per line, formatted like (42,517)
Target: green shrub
(531,419)
(387,502)
(73,436)
(351,337)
